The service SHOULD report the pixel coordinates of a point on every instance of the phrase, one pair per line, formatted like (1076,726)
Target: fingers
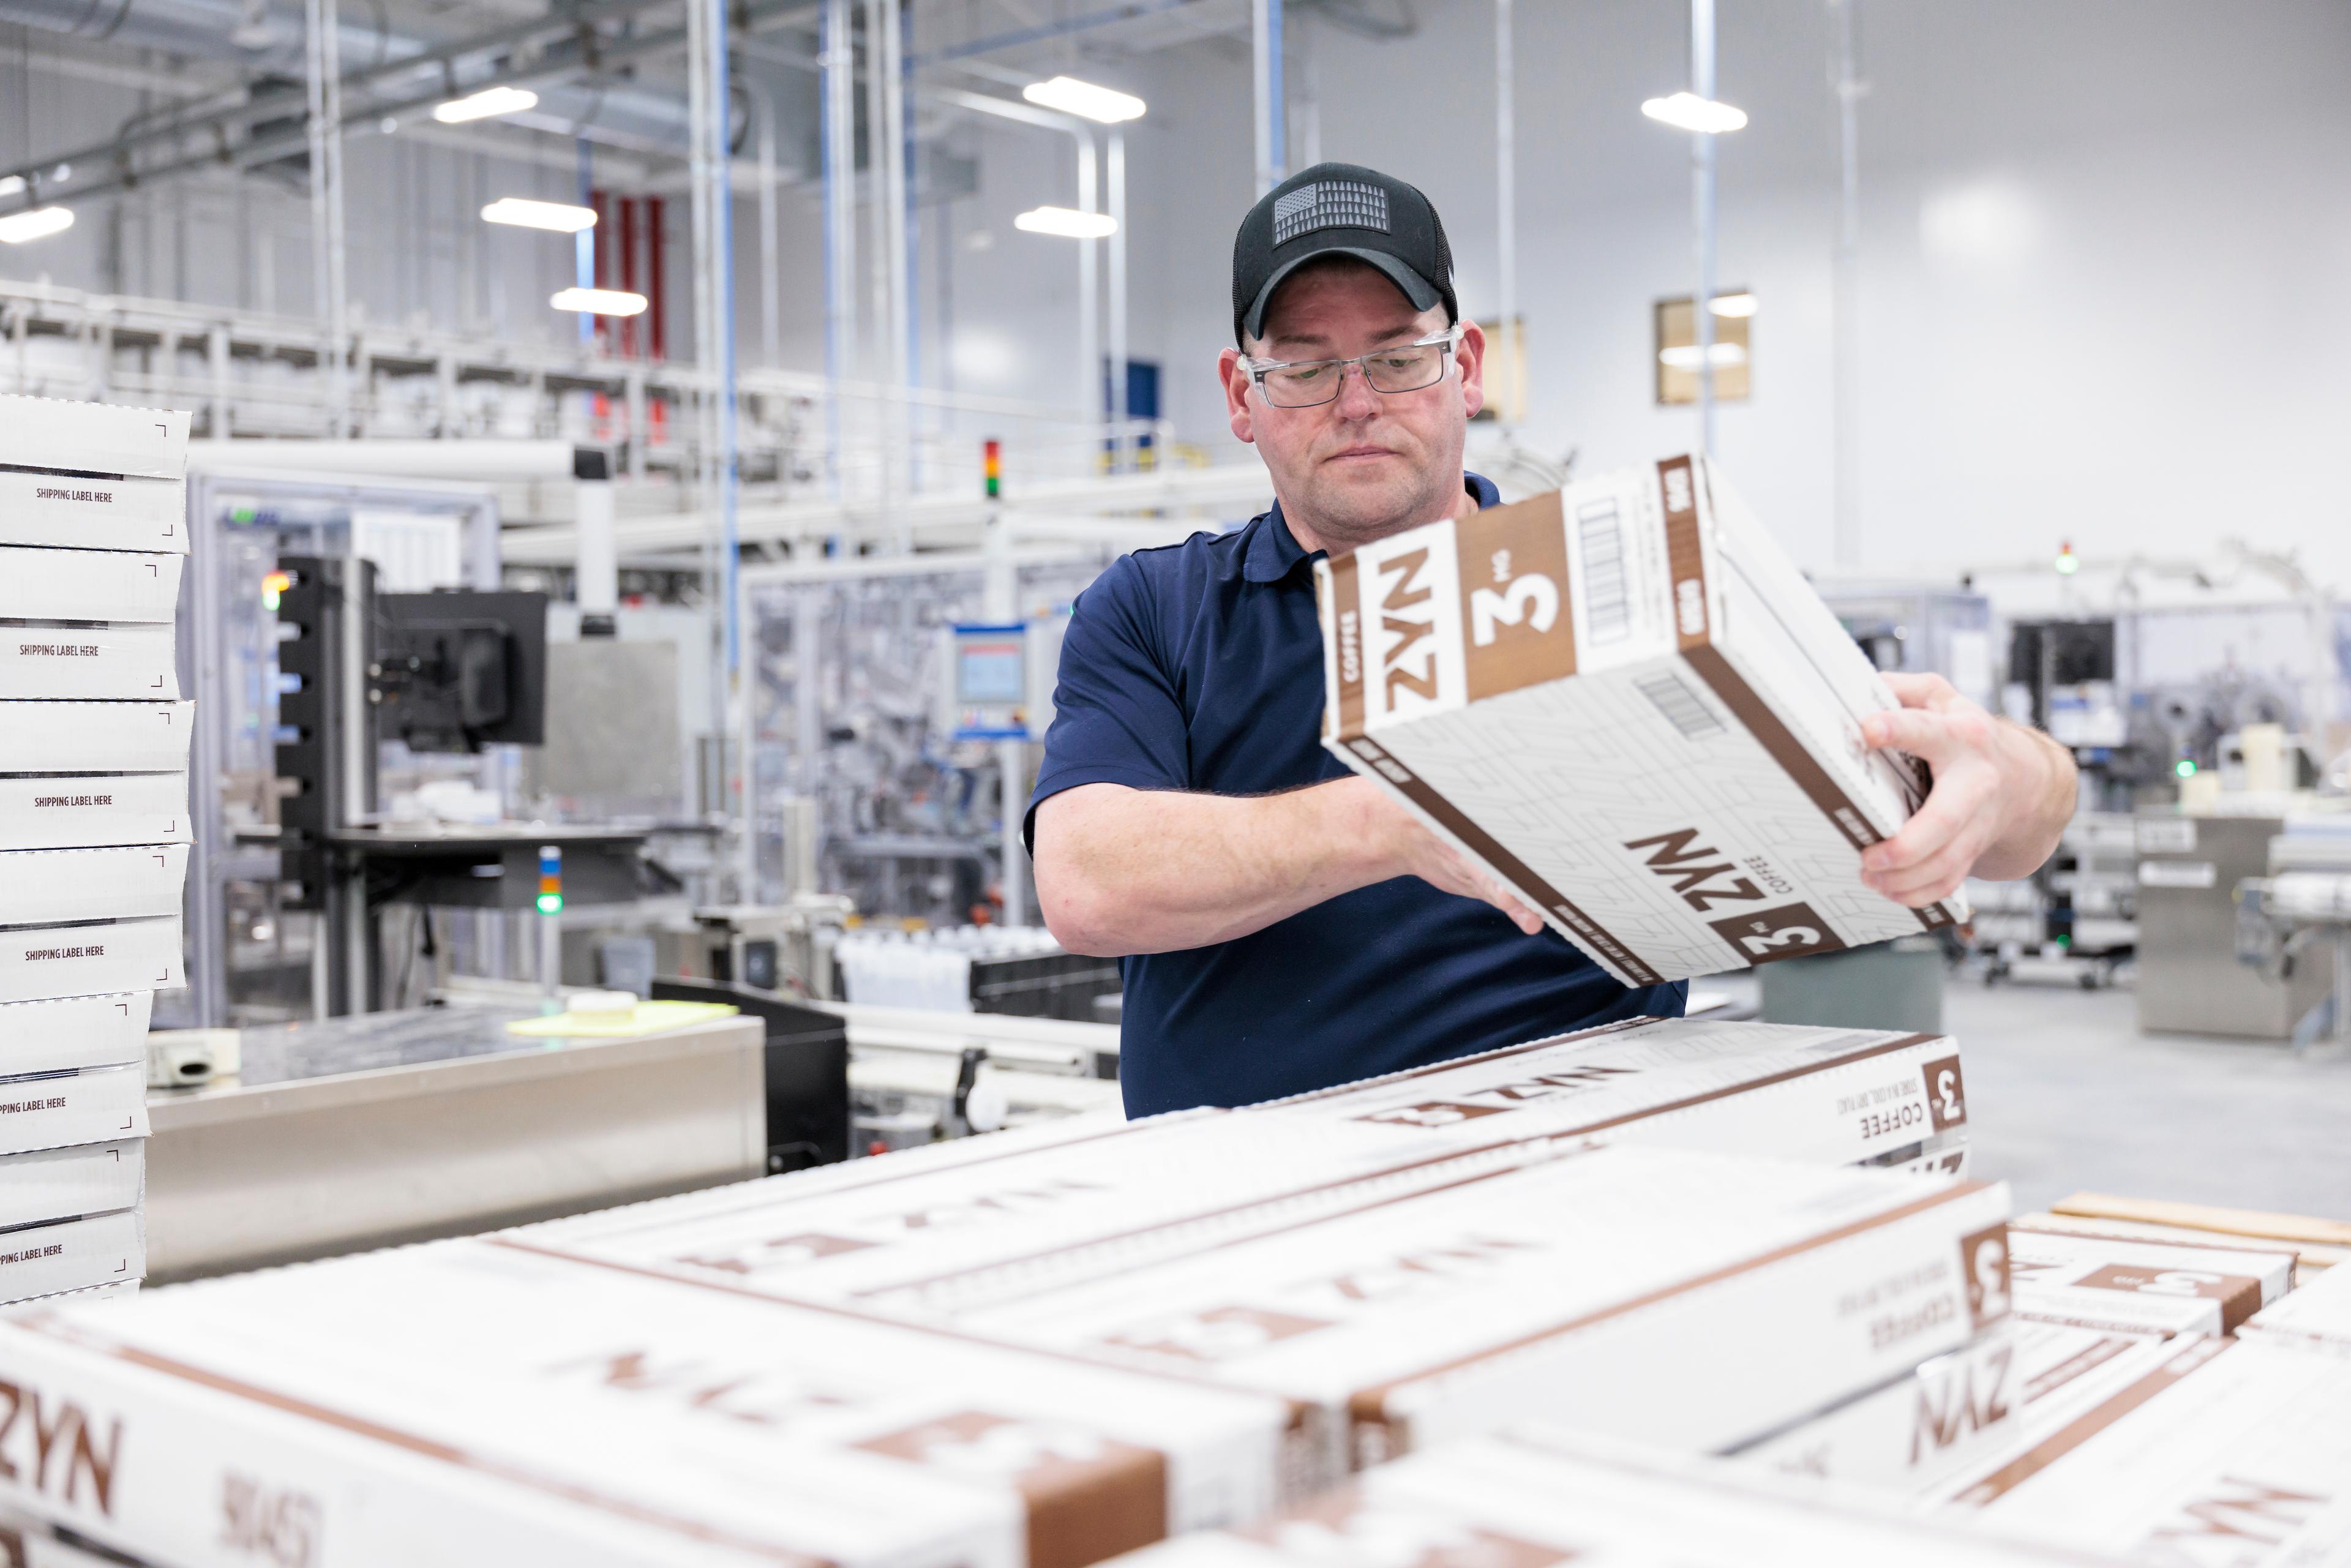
(1453,872)
(1928,691)
(1526,919)
(1939,737)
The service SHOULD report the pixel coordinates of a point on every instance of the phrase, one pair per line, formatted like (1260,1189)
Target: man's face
(1367,464)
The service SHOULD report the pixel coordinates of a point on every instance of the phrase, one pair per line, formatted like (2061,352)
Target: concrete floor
(2064,1094)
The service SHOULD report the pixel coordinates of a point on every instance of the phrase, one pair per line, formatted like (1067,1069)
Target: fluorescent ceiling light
(11,185)
(1071,96)
(1684,357)
(1064,221)
(599,301)
(1734,304)
(560,216)
(1692,113)
(37,224)
(486,104)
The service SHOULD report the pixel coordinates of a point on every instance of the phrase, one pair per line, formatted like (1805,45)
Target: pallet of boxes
(94,825)
(1590,1298)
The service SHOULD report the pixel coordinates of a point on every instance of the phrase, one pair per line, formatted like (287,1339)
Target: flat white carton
(59,1110)
(55,811)
(86,584)
(1623,700)
(93,512)
(93,437)
(479,1403)
(1698,1300)
(2230,1452)
(95,736)
(82,662)
(948,1238)
(1538,1497)
(46,1185)
(1916,1433)
(2318,1311)
(1828,1095)
(67,1033)
(37,962)
(49,887)
(2154,1286)
(72,1255)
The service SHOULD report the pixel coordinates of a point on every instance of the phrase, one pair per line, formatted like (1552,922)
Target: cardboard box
(37,962)
(49,887)
(72,1255)
(69,1033)
(1828,1095)
(1915,1433)
(479,1403)
(2124,1283)
(86,584)
(46,1185)
(1698,1300)
(61,1110)
(1625,702)
(2311,1257)
(93,512)
(2318,1311)
(2230,1452)
(73,811)
(93,437)
(105,662)
(95,736)
(1539,1497)
(957,1235)
(2063,1371)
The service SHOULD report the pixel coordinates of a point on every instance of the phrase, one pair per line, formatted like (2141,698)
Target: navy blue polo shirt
(1199,667)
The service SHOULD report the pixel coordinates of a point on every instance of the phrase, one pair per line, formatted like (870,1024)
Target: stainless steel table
(391,1127)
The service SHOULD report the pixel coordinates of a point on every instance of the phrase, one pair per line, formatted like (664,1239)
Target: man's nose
(1356,399)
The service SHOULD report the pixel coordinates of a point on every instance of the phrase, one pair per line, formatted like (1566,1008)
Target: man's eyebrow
(1316,340)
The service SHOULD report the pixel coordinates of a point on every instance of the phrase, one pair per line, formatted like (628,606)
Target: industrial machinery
(441,672)
(2298,918)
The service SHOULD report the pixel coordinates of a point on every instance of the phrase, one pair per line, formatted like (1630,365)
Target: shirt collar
(1273,552)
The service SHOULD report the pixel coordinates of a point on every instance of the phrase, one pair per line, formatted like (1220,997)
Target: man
(1284,925)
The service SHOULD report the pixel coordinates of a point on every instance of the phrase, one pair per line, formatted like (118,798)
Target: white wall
(2104,244)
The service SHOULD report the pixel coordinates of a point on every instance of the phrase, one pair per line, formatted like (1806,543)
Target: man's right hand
(1123,871)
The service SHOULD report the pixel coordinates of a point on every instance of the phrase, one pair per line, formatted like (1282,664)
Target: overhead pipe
(1123,435)
(1265,55)
(1506,213)
(323,134)
(1847,287)
(1702,204)
(993,42)
(836,127)
(610,53)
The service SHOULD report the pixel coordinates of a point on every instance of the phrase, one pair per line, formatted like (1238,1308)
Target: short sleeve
(1117,718)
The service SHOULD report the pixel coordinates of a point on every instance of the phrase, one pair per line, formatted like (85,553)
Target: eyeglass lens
(1400,369)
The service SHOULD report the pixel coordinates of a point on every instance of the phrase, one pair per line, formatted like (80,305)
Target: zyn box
(93,437)
(37,962)
(95,736)
(49,887)
(67,1033)
(86,584)
(57,811)
(1625,703)
(124,661)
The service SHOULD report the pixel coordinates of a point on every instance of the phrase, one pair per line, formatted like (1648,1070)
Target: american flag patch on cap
(1329,205)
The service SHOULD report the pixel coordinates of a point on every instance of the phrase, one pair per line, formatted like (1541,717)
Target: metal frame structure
(206,654)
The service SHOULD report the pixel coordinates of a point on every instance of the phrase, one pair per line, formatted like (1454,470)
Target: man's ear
(1236,378)
(1470,353)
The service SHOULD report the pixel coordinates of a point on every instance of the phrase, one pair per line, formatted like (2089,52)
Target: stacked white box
(480,1403)
(1538,1497)
(95,835)
(920,1234)
(1624,701)
(2122,1284)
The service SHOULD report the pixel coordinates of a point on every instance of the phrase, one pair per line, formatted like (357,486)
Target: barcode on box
(1607,609)
(1680,706)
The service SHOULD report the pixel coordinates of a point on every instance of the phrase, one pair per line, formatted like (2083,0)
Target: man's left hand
(2001,794)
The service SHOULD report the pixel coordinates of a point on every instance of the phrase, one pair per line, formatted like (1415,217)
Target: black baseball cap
(1340,209)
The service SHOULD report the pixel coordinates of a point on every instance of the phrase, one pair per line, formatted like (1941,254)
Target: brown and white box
(1539,1496)
(1623,700)
(919,1235)
(2122,1283)
(483,1403)
(1698,1300)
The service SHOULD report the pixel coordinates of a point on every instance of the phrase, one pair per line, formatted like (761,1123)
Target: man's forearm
(2053,782)
(1123,871)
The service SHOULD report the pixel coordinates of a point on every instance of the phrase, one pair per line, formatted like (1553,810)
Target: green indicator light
(241,515)
(550,903)
(2185,768)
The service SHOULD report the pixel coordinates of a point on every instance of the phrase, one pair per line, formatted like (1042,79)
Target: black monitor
(459,670)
